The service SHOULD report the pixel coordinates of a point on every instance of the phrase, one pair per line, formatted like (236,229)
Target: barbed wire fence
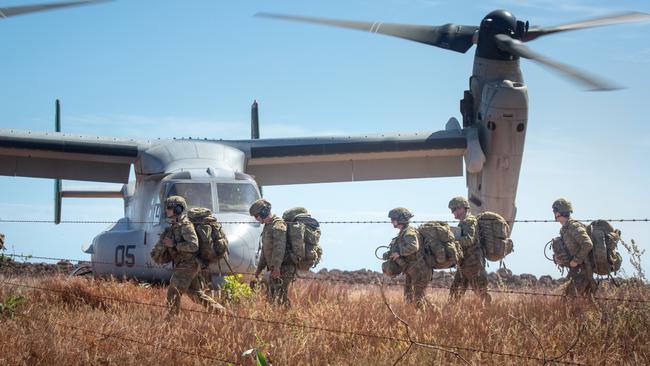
(344,281)
(326,222)
(352,333)
(451,349)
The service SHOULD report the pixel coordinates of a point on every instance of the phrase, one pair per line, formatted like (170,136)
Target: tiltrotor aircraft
(224,175)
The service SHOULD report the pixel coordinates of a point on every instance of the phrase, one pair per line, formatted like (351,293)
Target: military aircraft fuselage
(206,174)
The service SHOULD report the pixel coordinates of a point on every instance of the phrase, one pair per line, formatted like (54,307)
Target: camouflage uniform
(418,275)
(578,244)
(471,267)
(410,262)
(2,241)
(186,277)
(275,255)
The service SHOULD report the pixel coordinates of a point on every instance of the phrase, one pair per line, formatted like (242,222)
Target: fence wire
(307,327)
(351,282)
(250,222)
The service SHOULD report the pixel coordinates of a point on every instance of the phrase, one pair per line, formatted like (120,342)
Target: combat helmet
(176,203)
(400,214)
(457,202)
(261,207)
(563,206)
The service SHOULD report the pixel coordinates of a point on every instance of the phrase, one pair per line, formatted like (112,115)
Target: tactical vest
(404,262)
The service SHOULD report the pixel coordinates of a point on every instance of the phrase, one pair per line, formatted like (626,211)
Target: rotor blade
(517,48)
(453,37)
(19,10)
(629,17)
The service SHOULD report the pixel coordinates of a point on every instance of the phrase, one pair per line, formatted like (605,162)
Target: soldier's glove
(385,256)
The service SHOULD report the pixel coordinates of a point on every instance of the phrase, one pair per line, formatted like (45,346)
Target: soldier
(578,244)
(404,251)
(179,244)
(274,256)
(471,267)
(2,241)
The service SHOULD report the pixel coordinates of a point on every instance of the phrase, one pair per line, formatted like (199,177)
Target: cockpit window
(236,197)
(196,194)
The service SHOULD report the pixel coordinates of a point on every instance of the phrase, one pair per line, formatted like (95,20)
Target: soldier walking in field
(275,255)
(179,244)
(404,251)
(578,245)
(471,267)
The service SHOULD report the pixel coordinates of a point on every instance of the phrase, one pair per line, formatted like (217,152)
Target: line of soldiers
(404,251)
(181,248)
(180,245)
(470,268)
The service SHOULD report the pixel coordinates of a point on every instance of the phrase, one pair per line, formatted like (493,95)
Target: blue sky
(177,69)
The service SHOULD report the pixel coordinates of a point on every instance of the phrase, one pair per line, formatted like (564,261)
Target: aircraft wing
(346,159)
(66,156)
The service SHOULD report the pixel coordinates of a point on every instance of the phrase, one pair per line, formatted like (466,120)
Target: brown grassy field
(77,321)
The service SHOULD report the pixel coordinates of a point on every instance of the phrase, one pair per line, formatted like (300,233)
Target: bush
(234,290)
(8,306)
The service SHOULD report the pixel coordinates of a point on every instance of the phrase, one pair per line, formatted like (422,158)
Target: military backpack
(561,255)
(494,236)
(303,237)
(213,244)
(437,245)
(605,240)
(391,268)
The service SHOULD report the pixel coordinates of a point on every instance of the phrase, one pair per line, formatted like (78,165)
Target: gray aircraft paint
(501,116)
(123,248)
(491,143)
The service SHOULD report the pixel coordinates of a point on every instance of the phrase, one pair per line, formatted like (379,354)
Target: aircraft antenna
(57,182)
(255,121)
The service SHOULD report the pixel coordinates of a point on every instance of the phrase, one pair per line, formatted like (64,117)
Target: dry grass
(46,328)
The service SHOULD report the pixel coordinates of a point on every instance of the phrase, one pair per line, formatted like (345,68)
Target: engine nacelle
(502,122)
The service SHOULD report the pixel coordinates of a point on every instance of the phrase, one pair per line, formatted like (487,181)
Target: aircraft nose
(243,242)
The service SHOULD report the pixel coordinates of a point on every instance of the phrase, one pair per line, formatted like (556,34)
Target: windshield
(196,194)
(236,197)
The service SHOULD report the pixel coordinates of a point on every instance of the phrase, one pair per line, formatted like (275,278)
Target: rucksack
(303,236)
(561,255)
(494,236)
(605,239)
(213,244)
(438,245)
(390,268)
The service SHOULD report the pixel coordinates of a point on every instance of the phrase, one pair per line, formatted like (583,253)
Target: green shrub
(234,290)
(8,306)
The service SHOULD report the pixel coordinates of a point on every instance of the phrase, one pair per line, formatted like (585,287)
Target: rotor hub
(498,22)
